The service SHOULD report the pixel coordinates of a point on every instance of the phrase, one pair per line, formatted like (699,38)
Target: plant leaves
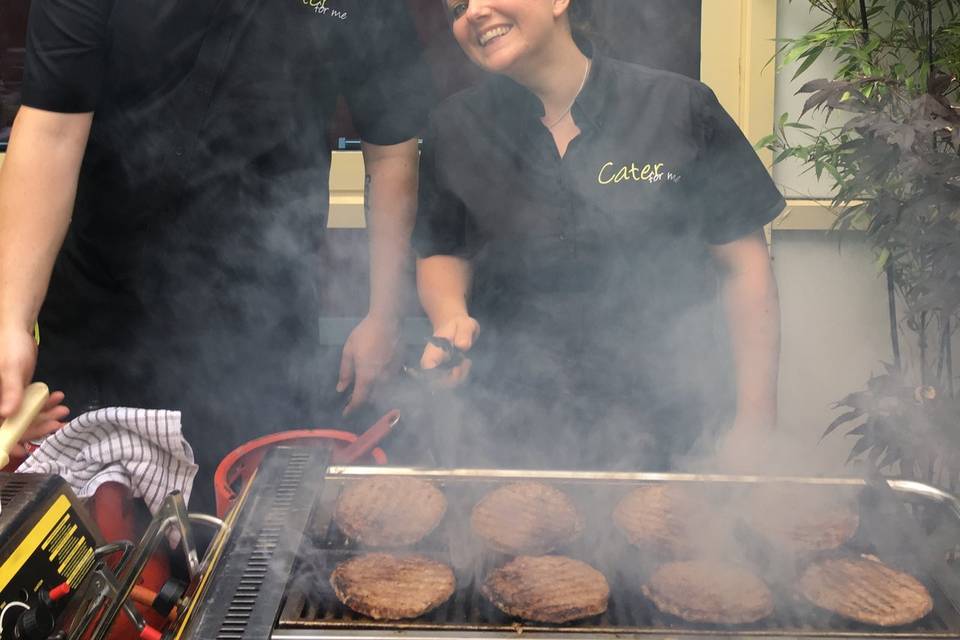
(862,445)
(892,457)
(847,417)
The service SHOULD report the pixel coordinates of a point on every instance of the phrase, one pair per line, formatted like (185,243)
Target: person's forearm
(38,183)
(443,283)
(390,202)
(753,317)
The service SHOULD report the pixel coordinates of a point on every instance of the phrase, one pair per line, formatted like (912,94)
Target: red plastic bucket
(238,466)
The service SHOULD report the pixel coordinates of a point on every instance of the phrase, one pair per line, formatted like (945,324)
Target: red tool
(366,441)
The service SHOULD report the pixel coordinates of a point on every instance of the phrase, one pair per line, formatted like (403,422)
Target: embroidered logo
(651,173)
(321,8)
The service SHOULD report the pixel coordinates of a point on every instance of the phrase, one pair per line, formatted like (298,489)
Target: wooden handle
(11,431)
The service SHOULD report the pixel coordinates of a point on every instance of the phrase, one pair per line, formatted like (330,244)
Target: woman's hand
(50,419)
(462,332)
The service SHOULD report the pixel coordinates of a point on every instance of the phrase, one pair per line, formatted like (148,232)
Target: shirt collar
(589,106)
(591,103)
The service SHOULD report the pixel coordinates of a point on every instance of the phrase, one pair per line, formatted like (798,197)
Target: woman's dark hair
(582,26)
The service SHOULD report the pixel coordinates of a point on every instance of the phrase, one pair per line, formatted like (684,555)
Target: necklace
(566,111)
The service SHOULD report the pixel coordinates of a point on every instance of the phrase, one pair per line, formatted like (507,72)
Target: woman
(586,213)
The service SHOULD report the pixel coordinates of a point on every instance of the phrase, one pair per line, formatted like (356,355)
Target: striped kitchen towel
(143,449)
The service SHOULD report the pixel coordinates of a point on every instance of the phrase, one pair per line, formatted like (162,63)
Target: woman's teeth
(487,36)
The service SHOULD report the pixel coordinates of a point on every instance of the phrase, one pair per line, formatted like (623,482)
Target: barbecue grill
(270,571)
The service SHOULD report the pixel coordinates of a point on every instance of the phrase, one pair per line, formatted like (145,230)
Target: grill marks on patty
(661,519)
(803,520)
(552,589)
(526,518)
(672,521)
(709,592)
(389,512)
(866,590)
(389,587)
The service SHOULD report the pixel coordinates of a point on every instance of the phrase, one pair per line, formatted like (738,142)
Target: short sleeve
(390,94)
(66,54)
(731,189)
(442,221)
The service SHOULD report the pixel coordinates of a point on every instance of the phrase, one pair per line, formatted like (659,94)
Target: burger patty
(552,589)
(803,519)
(389,512)
(526,518)
(866,590)
(389,587)
(662,518)
(709,592)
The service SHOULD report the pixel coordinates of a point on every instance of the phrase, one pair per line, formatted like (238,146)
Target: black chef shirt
(191,263)
(593,282)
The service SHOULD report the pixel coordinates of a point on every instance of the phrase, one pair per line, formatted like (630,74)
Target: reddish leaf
(847,417)
(862,445)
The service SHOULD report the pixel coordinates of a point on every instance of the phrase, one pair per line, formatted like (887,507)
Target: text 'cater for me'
(651,173)
(320,6)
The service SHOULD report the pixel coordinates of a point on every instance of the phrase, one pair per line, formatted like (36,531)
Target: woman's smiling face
(500,35)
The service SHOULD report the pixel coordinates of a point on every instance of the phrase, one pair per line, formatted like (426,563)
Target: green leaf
(783,155)
(810,57)
(881,260)
(765,142)
(835,173)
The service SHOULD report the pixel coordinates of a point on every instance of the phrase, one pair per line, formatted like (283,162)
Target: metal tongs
(429,376)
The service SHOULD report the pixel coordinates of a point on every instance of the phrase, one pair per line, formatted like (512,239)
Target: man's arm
(753,317)
(390,201)
(38,184)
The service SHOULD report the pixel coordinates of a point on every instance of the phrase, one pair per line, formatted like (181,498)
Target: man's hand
(50,419)
(18,357)
(368,356)
(462,332)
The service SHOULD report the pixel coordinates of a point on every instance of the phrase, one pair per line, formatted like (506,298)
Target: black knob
(168,596)
(35,624)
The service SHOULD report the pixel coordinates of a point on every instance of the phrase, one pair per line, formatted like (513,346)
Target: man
(188,141)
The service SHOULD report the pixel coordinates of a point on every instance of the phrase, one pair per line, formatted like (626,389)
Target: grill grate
(311,603)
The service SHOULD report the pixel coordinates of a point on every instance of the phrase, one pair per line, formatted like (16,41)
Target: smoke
(532,406)
(240,250)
